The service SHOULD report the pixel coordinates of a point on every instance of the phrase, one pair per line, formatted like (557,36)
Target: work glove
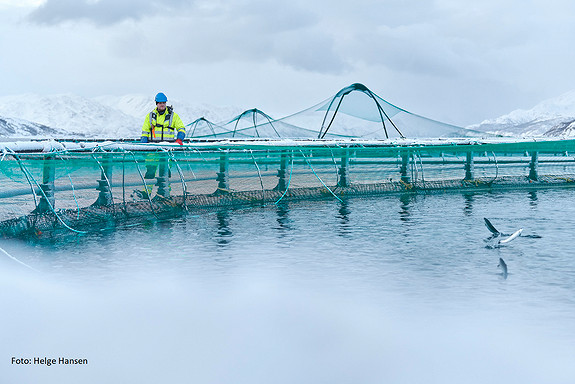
(179,141)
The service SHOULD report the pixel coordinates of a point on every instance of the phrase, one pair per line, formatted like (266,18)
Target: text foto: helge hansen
(48,361)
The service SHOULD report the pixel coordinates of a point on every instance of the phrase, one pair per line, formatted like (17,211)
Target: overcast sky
(456,61)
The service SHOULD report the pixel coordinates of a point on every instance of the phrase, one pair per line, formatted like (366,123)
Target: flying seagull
(495,232)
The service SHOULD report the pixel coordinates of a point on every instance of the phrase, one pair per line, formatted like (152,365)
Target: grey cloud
(272,16)
(100,12)
(206,30)
(413,49)
(314,52)
(250,31)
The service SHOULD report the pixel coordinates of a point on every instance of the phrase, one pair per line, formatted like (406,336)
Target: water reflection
(468,207)
(343,215)
(405,206)
(224,234)
(533,198)
(283,219)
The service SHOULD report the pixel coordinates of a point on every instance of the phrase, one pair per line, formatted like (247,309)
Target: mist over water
(394,289)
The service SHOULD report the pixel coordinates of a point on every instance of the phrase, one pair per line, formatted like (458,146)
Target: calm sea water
(392,289)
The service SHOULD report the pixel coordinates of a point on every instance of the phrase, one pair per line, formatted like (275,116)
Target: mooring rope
(260,176)
(496,167)
(16,260)
(124,182)
(45,197)
(421,166)
(413,168)
(184,186)
(145,185)
(107,180)
(335,165)
(25,175)
(72,185)
(316,175)
(187,149)
(200,153)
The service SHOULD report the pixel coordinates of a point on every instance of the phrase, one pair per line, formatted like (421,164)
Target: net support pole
(533,166)
(469,166)
(404,170)
(282,184)
(105,195)
(223,178)
(343,171)
(47,198)
(163,178)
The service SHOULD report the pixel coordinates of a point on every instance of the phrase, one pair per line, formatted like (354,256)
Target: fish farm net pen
(51,187)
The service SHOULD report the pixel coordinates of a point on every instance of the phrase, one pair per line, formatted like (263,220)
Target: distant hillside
(70,114)
(100,117)
(112,117)
(138,106)
(552,117)
(18,128)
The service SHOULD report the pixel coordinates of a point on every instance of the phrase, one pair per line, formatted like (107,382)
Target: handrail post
(223,175)
(163,178)
(533,166)
(282,184)
(47,198)
(343,171)
(405,163)
(105,195)
(469,166)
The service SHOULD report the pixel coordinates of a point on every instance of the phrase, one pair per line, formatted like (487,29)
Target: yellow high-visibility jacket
(163,127)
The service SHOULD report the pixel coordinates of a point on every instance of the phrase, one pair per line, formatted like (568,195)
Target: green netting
(83,187)
(354,112)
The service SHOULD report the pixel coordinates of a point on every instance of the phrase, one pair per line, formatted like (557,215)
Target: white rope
(16,260)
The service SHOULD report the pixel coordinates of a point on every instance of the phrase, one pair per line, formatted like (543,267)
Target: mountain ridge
(71,115)
(116,117)
(550,117)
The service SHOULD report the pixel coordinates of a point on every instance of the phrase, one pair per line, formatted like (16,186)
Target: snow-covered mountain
(552,117)
(10,127)
(101,117)
(113,117)
(138,106)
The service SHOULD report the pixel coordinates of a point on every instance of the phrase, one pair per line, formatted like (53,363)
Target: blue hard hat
(161,98)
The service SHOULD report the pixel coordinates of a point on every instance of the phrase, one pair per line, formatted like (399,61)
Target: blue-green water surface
(386,289)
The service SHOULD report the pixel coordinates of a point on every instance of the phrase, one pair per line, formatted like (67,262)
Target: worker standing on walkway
(163,124)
